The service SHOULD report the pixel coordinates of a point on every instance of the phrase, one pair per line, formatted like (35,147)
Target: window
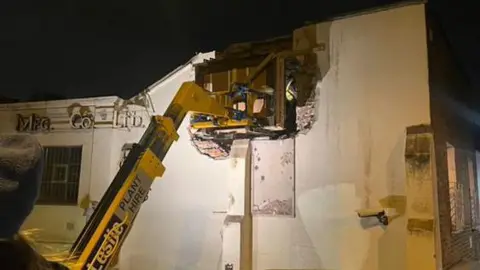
(125,151)
(61,175)
(476,184)
(473,191)
(457,211)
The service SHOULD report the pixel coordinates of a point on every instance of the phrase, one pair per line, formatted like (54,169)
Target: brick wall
(463,245)
(446,82)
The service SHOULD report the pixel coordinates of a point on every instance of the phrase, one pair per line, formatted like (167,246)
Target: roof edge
(368,10)
(60,102)
(197,58)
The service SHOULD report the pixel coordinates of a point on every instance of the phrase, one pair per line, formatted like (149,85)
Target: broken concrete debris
(306,115)
(220,149)
(209,147)
(273,208)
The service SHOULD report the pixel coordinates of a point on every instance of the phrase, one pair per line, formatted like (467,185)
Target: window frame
(456,194)
(54,160)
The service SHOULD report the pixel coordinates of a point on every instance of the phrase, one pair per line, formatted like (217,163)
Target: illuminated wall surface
(101,146)
(376,86)
(353,157)
(273,178)
(177,228)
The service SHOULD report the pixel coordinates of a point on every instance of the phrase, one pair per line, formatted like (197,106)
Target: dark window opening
(61,175)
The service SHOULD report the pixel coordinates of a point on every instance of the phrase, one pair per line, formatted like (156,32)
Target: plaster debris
(306,115)
(274,208)
(220,149)
(209,148)
(286,159)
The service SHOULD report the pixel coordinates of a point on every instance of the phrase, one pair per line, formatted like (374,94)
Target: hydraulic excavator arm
(107,229)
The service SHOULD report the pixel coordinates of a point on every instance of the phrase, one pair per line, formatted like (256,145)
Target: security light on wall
(380,214)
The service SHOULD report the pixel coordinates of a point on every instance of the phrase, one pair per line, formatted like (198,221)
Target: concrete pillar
(420,210)
(237,229)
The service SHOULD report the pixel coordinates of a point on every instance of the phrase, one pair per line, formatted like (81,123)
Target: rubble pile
(274,208)
(207,147)
(219,149)
(306,115)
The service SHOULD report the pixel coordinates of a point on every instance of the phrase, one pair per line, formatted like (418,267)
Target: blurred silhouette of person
(21,164)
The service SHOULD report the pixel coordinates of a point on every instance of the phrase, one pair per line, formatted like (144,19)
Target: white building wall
(52,220)
(353,157)
(103,156)
(377,85)
(176,227)
(100,153)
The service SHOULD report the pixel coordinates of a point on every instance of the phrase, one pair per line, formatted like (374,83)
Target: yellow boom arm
(112,220)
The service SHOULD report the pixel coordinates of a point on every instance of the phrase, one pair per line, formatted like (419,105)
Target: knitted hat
(21,162)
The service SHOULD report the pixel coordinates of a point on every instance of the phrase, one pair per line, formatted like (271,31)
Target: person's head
(21,162)
(21,159)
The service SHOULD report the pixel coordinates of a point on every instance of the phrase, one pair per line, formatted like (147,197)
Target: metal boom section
(103,235)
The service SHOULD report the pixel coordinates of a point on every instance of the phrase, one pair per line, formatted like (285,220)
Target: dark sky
(105,47)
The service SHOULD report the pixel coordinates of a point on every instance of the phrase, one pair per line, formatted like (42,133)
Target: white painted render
(177,227)
(101,153)
(354,155)
(376,86)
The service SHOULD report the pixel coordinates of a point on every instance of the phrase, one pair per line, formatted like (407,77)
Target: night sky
(105,47)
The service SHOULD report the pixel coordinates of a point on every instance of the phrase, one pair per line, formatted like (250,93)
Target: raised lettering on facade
(127,119)
(80,116)
(33,123)
(82,121)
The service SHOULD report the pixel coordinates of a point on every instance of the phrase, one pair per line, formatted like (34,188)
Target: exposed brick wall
(446,81)
(455,246)
(462,246)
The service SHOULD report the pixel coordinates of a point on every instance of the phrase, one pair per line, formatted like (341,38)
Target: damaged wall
(376,86)
(273,178)
(353,157)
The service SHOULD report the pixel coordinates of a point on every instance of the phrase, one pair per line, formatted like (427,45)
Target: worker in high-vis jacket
(21,164)
(291,91)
